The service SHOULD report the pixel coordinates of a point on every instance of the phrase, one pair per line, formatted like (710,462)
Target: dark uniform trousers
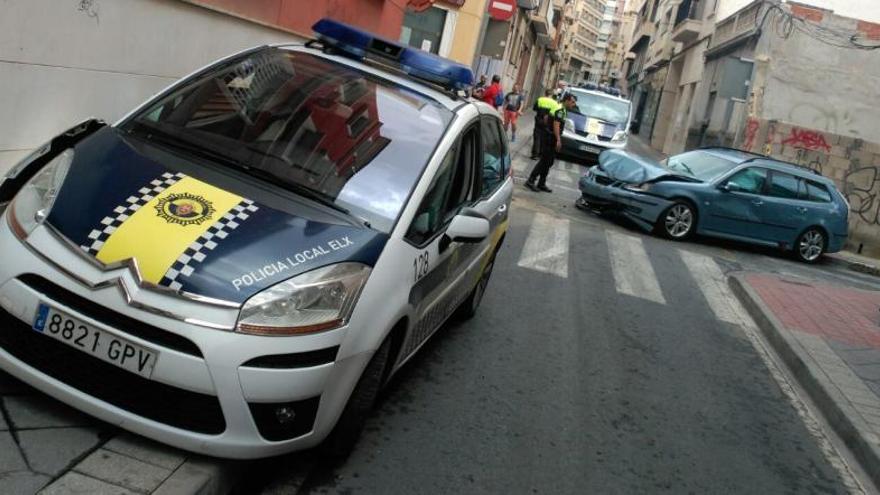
(537,136)
(548,155)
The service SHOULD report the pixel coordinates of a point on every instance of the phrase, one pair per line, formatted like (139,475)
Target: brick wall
(852,163)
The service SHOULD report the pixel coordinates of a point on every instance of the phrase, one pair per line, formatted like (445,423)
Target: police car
(239,265)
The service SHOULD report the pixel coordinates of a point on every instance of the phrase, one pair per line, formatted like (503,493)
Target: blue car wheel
(810,245)
(678,221)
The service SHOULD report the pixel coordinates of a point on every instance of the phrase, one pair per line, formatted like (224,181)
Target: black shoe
(544,188)
(531,185)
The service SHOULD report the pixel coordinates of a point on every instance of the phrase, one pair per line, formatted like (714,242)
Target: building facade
(579,44)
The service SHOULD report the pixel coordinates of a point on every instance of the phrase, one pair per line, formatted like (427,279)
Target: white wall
(866,10)
(61,63)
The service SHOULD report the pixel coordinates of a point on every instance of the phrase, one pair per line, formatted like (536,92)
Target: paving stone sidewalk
(46,447)
(829,336)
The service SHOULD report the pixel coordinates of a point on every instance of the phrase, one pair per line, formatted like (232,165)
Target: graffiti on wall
(89,8)
(862,190)
(807,139)
(752,127)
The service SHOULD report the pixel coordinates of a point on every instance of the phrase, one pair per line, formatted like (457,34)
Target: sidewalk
(829,337)
(47,447)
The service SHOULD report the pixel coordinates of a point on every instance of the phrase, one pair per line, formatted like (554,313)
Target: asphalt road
(603,360)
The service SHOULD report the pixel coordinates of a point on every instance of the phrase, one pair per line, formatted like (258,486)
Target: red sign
(419,5)
(502,10)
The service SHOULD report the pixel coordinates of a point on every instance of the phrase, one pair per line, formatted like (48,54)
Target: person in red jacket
(491,93)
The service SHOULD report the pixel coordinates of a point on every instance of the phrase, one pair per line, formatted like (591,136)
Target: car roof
(742,157)
(597,93)
(446,99)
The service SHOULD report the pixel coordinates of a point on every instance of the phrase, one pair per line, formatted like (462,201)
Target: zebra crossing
(547,250)
(563,174)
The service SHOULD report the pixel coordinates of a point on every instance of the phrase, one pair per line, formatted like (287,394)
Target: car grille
(110,318)
(152,400)
(585,134)
(605,181)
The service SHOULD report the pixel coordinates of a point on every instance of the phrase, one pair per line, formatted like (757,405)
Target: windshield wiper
(155,132)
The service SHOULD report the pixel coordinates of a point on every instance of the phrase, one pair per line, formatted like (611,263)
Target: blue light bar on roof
(417,63)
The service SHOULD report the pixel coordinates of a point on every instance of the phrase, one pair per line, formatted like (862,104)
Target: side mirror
(467,228)
(725,187)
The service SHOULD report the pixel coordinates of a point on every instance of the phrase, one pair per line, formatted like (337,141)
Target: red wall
(379,16)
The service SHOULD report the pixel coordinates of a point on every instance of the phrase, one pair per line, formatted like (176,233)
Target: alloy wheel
(812,245)
(679,221)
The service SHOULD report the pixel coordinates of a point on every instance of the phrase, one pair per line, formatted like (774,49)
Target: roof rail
(796,165)
(760,156)
(756,155)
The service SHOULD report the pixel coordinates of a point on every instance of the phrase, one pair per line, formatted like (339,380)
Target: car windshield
(605,108)
(325,130)
(700,165)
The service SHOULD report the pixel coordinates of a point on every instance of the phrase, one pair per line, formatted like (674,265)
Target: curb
(835,407)
(856,266)
(131,464)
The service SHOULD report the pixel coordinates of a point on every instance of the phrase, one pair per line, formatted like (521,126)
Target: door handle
(502,208)
(757,202)
(802,209)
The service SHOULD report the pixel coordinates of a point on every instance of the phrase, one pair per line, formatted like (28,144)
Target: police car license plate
(590,149)
(100,344)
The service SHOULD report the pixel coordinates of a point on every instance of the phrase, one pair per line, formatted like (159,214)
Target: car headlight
(315,301)
(34,201)
(569,125)
(645,187)
(619,137)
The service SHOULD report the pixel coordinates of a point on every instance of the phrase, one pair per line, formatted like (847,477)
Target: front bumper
(587,146)
(200,396)
(599,189)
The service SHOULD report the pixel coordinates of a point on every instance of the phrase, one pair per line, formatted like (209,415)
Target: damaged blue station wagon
(725,193)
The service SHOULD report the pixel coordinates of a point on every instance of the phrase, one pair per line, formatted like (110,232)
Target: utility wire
(784,24)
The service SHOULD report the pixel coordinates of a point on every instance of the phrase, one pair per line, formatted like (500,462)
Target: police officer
(551,141)
(541,107)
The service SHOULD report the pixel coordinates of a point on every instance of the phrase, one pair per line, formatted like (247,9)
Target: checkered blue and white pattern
(199,250)
(122,213)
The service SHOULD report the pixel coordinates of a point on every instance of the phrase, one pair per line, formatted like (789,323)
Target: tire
(678,222)
(469,307)
(340,442)
(810,245)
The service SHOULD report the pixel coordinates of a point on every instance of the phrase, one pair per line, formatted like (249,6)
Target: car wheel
(468,308)
(678,221)
(340,442)
(810,245)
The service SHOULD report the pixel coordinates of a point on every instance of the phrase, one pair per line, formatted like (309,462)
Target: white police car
(240,264)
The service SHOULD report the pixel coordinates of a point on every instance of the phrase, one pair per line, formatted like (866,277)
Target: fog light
(285,415)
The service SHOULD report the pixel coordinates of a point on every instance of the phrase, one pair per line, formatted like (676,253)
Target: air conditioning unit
(528,4)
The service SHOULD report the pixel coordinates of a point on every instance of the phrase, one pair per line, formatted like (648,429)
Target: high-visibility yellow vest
(549,106)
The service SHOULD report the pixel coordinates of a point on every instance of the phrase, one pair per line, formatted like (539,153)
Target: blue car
(721,192)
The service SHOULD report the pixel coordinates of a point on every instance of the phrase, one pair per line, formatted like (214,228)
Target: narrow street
(603,360)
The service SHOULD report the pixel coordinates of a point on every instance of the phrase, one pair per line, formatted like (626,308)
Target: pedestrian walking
(551,142)
(541,107)
(513,103)
(480,87)
(490,94)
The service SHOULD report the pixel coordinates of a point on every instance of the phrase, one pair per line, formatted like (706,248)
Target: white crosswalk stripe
(633,273)
(546,247)
(712,282)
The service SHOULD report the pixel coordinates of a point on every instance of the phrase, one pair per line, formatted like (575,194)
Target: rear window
(818,192)
(301,121)
(784,185)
